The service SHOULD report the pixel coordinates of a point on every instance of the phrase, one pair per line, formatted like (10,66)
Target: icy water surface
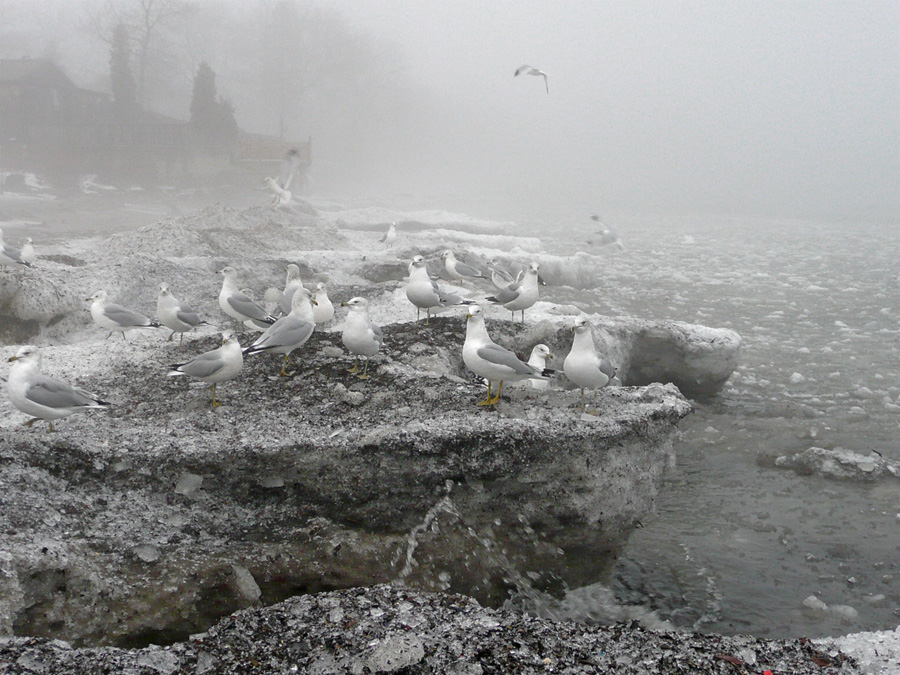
(737,544)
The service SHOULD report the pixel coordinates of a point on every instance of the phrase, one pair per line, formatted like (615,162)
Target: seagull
(28,255)
(538,359)
(459,270)
(519,296)
(424,293)
(607,236)
(214,366)
(175,315)
(500,276)
(238,306)
(528,70)
(282,197)
(10,257)
(323,311)
(290,169)
(115,317)
(361,336)
(41,396)
(390,236)
(584,366)
(491,361)
(292,282)
(289,332)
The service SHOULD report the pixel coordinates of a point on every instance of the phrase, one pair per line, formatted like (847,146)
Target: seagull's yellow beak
(313,301)
(345,304)
(12,358)
(549,356)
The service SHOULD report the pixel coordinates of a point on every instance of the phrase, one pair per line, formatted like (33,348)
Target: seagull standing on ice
(116,318)
(390,236)
(240,307)
(289,332)
(584,366)
(459,270)
(41,396)
(424,293)
(11,257)
(176,315)
(519,296)
(489,360)
(214,366)
(528,70)
(361,336)
(323,311)
(538,359)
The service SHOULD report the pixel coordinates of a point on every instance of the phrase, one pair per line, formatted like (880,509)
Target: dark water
(737,544)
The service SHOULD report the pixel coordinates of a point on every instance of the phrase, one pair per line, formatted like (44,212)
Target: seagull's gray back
(244,305)
(205,365)
(52,393)
(503,357)
(288,330)
(124,316)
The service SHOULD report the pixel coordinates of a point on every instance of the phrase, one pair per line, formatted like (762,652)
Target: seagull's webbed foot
(365,373)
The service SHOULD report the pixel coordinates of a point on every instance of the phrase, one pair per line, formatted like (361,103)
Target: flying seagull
(528,70)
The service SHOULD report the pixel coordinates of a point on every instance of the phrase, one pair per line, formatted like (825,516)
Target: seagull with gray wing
(528,70)
(41,396)
(489,360)
(116,318)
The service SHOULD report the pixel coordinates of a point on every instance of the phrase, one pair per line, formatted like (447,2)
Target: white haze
(772,107)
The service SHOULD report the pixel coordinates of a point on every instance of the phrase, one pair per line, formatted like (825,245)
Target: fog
(780,108)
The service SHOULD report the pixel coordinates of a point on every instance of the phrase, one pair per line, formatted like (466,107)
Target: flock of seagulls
(289,317)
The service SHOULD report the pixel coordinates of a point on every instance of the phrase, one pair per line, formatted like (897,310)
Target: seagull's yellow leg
(109,336)
(212,390)
(487,401)
(355,368)
(365,372)
(283,366)
(594,403)
(497,397)
(171,335)
(583,404)
(32,421)
(123,336)
(181,341)
(51,427)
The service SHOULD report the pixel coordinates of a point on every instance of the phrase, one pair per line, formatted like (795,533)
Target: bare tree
(147,22)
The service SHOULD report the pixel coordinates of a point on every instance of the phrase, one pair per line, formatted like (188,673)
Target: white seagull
(240,307)
(538,359)
(289,332)
(361,336)
(28,255)
(528,70)
(390,236)
(500,275)
(323,311)
(491,361)
(214,366)
(116,318)
(459,270)
(424,293)
(584,366)
(519,296)
(11,257)
(176,315)
(41,396)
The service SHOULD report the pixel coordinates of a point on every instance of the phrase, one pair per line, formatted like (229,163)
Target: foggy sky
(771,107)
(785,108)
